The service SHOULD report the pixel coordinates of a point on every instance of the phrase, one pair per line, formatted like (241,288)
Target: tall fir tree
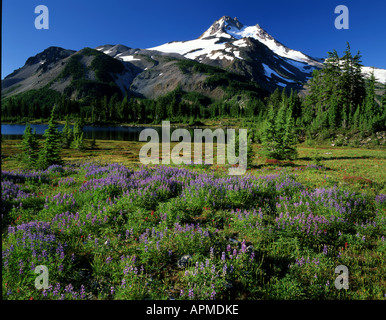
(269,141)
(78,141)
(67,134)
(279,136)
(50,153)
(289,139)
(30,147)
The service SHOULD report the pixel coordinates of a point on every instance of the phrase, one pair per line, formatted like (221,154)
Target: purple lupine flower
(223,256)
(211,252)
(224,269)
(325,250)
(56,289)
(21,264)
(191,293)
(68,288)
(252,255)
(82,292)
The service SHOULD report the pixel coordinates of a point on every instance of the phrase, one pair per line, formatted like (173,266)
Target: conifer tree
(30,146)
(370,104)
(270,144)
(124,109)
(279,136)
(78,141)
(384,98)
(67,134)
(50,153)
(333,113)
(356,118)
(289,139)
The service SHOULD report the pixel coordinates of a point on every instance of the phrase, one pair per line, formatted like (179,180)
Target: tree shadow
(338,158)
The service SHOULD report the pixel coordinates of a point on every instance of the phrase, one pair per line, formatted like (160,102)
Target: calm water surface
(123,133)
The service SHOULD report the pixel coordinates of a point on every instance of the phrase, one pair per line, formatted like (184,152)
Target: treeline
(176,106)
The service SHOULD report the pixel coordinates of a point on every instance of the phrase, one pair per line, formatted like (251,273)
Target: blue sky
(307,26)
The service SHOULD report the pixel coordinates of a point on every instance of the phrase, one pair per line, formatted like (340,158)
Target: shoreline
(143,125)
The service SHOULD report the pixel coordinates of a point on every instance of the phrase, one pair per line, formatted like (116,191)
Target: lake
(122,133)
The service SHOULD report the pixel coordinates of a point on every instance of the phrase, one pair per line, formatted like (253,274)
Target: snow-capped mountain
(227,37)
(227,40)
(248,51)
(228,30)
(379,74)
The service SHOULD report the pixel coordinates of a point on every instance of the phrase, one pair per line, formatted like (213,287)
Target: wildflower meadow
(108,231)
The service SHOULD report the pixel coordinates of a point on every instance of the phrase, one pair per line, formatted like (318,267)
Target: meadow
(107,227)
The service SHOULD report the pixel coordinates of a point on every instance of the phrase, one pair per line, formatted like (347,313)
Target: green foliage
(78,140)
(50,153)
(74,68)
(104,65)
(67,134)
(190,66)
(339,95)
(278,137)
(86,89)
(30,147)
(32,104)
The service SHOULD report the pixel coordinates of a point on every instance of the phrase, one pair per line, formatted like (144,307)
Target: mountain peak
(219,27)
(49,55)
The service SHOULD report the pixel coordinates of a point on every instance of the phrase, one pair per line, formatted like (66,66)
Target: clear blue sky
(303,25)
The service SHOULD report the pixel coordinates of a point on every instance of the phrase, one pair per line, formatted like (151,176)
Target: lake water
(122,133)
